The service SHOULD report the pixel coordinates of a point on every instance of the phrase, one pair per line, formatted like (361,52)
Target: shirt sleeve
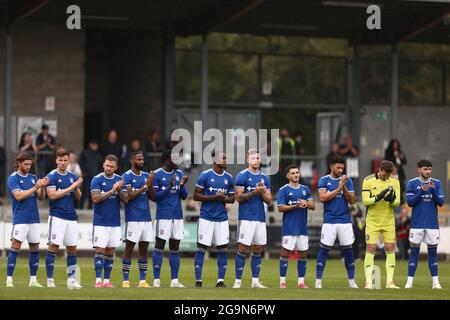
(367,198)
(95,185)
(156,182)
(51,181)
(231,185)
(267,182)
(201,181)
(438,194)
(124,187)
(322,183)
(281,197)
(398,194)
(240,181)
(13,184)
(126,179)
(309,195)
(413,196)
(350,187)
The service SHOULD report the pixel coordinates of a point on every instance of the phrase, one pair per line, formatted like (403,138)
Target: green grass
(334,282)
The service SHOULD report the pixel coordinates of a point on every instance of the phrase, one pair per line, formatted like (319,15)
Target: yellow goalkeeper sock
(368,266)
(390,266)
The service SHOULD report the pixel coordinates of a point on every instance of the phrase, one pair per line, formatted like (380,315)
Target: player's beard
(139,166)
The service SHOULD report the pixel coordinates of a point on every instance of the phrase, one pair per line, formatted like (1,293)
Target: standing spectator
(286,152)
(394,154)
(298,138)
(74,166)
(91,163)
(135,146)
(154,143)
(347,149)
(112,145)
(2,171)
(403,224)
(334,151)
(358,230)
(45,142)
(26,143)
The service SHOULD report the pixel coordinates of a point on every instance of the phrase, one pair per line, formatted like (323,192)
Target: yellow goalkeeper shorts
(373,234)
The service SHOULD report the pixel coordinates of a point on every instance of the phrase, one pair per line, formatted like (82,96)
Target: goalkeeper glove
(390,197)
(382,194)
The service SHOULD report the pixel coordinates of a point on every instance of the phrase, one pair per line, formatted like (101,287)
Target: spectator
(26,143)
(394,154)
(347,149)
(45,142)
(334,151)
(74,166)
(298,138)
(135,146)
(2,171)
(402,226)
(112,145)
(91,164)
(358,230)
(154,143)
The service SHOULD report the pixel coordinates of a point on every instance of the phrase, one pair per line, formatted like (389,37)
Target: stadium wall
(423,132)
(47,61)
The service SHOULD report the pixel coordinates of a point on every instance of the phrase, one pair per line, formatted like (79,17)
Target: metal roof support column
(354,81)
(8,105)
(169,70)
(394,91)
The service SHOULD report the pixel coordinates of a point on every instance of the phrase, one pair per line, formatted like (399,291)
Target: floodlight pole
(204,91)
(394,91)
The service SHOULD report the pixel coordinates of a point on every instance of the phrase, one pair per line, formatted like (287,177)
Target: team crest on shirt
(130,233)
(241,236)
(225,181)
(285,241)
(367,237)
(200,236)
(177,178)
(304,192)
(53,236)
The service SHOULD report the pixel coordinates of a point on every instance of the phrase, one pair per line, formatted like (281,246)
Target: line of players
(215,188)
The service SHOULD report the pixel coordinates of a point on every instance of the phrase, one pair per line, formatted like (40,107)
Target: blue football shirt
(335,210)
(137,209)
(253,209)
(63,208)
(294,221)
(169,206)
(25,211)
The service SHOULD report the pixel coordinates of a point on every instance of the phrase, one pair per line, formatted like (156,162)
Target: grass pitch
(334,282)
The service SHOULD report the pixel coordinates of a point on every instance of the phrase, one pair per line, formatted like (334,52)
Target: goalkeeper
(381,194)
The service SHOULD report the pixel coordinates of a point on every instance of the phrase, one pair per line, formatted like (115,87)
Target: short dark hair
(136,153)
(22,156)
(336,159)
(111,157)
(424,163)
(290,167)
(166,155)
(44,127)
(387,166)
(62,153)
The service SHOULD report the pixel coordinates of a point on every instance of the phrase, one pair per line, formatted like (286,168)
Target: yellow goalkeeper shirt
(379,214)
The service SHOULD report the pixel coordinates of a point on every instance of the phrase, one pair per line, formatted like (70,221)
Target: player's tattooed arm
(98,197)
(123,195)
(243,197)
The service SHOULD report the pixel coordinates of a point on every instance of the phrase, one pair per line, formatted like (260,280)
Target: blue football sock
(99,261)
(301,267)
(12,258)
(413,260)
(34,262)
(222,262)
(143,268)
(349,261)
(256,264)
(109,261)
(198,263)
(174,261)
(283,266)
(157,260)
(50,264)
(126,267)
(71,265)
(433,261)
(240,264)
(321,262)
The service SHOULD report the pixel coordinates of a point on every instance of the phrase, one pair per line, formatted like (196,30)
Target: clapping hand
(183,181)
